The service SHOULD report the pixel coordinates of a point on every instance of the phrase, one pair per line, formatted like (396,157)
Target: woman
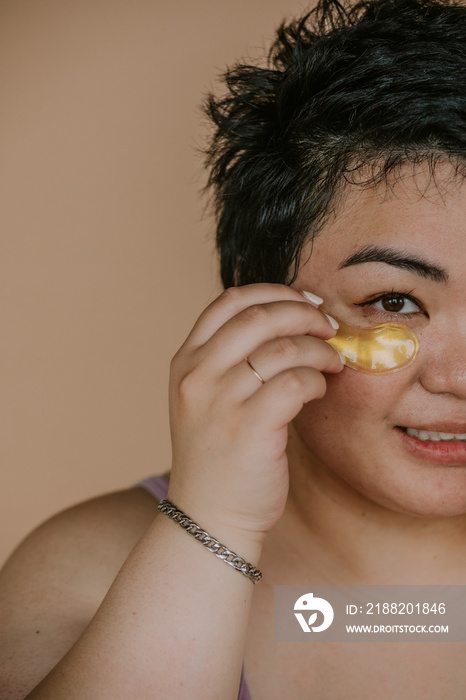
(338,175)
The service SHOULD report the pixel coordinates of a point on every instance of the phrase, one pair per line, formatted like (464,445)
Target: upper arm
(52,585)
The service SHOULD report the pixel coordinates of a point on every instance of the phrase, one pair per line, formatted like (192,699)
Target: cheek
(350,430)
(354,404)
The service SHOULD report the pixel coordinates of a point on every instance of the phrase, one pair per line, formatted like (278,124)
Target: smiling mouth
(432,435)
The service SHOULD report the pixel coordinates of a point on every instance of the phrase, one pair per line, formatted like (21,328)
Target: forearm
(173,624)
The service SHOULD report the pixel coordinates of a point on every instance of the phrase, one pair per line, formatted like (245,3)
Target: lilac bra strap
(158,487)
(243,688)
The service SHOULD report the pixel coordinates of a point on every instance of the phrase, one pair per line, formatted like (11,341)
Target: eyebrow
(391,256)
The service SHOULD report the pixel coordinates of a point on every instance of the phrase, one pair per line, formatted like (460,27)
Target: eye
(396,303)
(391,304)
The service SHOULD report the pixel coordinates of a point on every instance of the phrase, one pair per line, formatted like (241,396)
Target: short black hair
(380,83)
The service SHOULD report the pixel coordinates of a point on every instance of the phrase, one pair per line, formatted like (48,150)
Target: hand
(229,431)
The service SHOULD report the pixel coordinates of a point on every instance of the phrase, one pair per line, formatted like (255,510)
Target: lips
(423,444)
(434,435)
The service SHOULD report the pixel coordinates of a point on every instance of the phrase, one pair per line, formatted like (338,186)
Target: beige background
(106,258)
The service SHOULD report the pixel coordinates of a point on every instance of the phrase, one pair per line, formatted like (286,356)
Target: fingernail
(332,321)
(312,297)
(342,357)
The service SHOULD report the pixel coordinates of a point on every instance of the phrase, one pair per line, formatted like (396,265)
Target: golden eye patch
(380,349)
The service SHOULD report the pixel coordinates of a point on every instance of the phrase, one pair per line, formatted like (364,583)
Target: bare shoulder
(99,531)
(54,582)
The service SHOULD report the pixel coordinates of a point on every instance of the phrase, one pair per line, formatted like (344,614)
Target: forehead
(418,212)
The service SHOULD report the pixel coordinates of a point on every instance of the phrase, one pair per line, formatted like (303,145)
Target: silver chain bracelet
(210,542)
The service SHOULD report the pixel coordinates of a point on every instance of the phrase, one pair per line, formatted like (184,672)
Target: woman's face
(395,254)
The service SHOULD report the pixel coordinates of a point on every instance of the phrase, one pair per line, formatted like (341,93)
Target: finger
(256,325)
(295,351)
(233,301)
(276,356)
(278,401)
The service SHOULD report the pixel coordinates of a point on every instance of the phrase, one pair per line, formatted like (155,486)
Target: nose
(444,367)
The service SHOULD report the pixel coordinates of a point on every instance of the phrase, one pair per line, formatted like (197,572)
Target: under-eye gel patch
(380,349)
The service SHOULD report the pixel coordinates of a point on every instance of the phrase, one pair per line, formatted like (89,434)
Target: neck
(353,540)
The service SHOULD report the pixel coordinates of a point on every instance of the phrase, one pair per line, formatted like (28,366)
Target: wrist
(236,546)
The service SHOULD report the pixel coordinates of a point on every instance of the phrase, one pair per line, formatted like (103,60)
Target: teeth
(434,436)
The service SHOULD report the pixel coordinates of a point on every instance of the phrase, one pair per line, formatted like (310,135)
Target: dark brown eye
(393,303)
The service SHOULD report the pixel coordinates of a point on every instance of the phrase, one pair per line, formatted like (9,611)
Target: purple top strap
(158,487)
